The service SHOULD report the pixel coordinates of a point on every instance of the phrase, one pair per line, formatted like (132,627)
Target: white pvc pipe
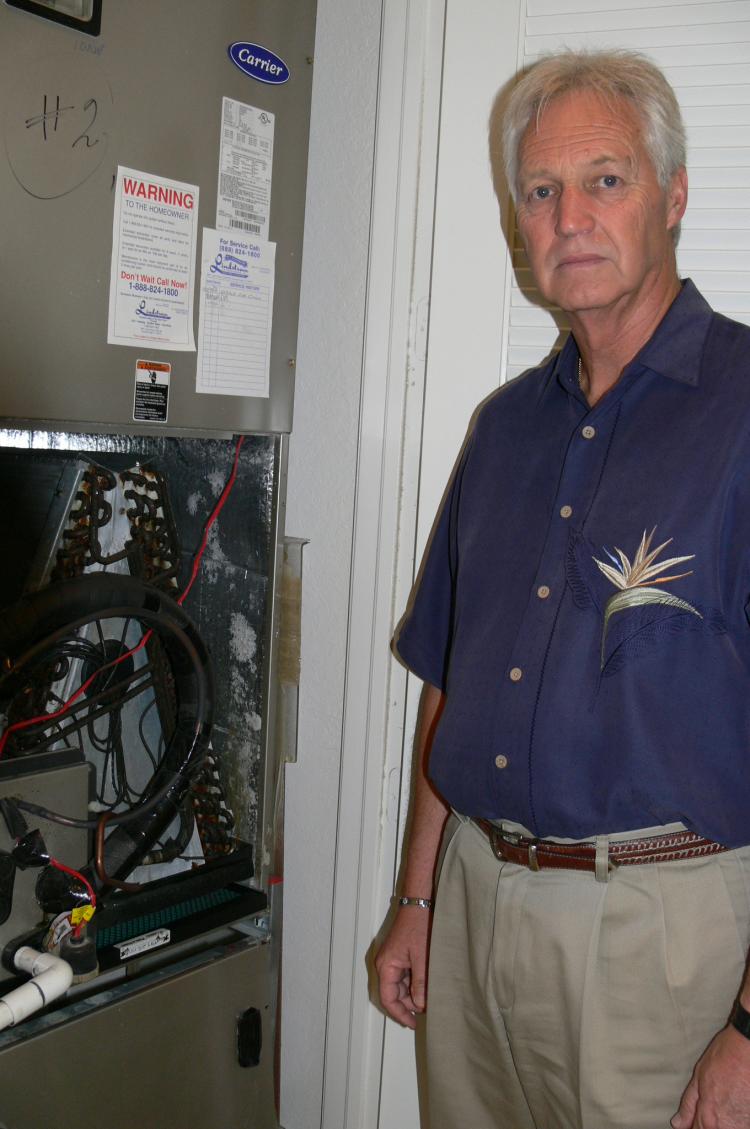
(52,977)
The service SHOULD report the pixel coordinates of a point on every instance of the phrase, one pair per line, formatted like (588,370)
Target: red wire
(215,513)
(76,874)
(66,706)
(180,600)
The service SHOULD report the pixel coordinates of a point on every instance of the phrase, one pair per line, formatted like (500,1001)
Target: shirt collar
(675,349)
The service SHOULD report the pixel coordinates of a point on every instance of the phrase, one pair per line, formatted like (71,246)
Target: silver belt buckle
(499,838)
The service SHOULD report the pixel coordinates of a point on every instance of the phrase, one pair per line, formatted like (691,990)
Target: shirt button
(588,432)
(516,674)
(566,511)
(501,761)
(542,591)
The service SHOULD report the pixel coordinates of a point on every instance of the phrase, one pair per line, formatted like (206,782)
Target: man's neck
(608,340)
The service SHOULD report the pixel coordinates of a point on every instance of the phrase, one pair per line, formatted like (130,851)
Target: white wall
(320,507)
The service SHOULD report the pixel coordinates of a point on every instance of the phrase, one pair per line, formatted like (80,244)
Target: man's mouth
(580,261)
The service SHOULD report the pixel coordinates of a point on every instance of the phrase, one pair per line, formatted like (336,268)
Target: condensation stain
(243,764)
(242,647)
(214,545)
(239,687)
(215,560)
(245,798)
(193,502)
(217,481)
(242,638)
(238,683)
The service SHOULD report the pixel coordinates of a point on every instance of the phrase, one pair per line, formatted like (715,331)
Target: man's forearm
(430,811)
(402,960)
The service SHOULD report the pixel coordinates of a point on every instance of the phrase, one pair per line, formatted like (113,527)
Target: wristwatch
(424,903)
(741,1020)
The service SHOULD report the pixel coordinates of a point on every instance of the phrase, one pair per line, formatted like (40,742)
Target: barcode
(254,227)
(249,215)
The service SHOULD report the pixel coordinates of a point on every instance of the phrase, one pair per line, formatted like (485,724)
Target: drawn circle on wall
(58,124)
(258,62)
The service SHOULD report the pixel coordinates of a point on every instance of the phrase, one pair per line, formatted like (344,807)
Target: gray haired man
(581,627)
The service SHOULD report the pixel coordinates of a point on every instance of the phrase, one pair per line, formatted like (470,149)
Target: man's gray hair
(611,75)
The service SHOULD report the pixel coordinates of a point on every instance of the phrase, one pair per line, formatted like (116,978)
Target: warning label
(151,391)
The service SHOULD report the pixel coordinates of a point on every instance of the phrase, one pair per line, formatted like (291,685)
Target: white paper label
(142,944)
(153,262)
(243,200)
(234,328)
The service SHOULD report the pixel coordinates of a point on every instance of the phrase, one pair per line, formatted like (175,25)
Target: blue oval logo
(258,62)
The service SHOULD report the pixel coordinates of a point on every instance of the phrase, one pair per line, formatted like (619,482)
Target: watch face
(84,15)
(741,1020)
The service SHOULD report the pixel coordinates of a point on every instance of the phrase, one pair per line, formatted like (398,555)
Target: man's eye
(609,180)
(543,192)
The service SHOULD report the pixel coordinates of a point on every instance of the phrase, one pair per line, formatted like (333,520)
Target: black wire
(110,744)
(143,808)
(111,764)
(92,824)
(142,735)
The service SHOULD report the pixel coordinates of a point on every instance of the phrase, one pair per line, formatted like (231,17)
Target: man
(581,625)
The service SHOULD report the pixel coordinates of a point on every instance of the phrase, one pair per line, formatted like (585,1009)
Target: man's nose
(574,213)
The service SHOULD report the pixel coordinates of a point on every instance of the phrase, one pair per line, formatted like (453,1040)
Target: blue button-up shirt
(584,598)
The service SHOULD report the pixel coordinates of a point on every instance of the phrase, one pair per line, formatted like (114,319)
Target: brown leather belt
(541,854)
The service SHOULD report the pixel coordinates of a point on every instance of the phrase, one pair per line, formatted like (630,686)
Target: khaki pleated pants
(556,1001)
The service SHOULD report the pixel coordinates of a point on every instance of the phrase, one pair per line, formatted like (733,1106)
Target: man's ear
(677,195)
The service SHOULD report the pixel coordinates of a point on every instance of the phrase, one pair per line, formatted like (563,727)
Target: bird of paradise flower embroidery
(634,581)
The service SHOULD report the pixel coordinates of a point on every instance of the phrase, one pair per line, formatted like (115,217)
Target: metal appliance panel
(162,1058)
(159,72)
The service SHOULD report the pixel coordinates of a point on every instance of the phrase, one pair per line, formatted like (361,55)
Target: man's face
(593,218)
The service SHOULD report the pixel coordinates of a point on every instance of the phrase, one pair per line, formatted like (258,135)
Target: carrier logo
(258,62)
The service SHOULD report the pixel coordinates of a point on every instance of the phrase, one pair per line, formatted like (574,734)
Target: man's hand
(718,1094)
(402,965)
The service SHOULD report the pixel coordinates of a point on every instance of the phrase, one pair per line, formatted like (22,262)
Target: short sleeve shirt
(584,598)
